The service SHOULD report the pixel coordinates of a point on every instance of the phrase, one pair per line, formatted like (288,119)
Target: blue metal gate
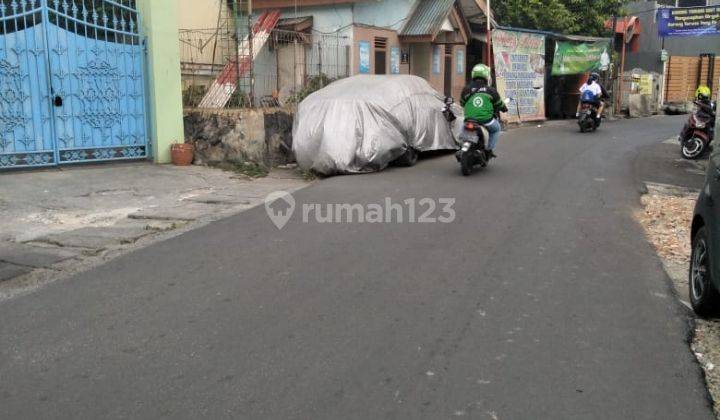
(71,82)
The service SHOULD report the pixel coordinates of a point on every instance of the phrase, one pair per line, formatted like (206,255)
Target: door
(291,67)
(26,136)
(712,190)
(75,73)
(380,62)
(96,79)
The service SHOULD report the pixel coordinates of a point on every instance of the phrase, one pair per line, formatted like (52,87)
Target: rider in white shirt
(600,93)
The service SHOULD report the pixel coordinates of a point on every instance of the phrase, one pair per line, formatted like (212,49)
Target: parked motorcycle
(698,132)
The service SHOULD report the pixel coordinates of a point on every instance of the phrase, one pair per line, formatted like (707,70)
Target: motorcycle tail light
(698,123)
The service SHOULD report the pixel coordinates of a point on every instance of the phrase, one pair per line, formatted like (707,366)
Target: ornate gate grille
(71,82)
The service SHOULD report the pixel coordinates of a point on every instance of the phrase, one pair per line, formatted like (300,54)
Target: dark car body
(706,218)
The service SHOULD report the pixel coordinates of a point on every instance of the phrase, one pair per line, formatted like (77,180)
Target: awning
(475,12)
(632,32)
(633,26)
(553,35)
(298,24)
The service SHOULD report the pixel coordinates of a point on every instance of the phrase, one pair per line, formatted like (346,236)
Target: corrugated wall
(682,78)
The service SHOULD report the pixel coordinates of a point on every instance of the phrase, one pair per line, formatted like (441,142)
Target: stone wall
(261,137)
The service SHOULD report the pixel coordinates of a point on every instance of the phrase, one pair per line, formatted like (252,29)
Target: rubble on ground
(666,216)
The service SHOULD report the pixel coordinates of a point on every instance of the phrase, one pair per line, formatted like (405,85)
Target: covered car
(364,123)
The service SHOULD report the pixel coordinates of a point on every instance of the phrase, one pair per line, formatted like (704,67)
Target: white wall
(383,13)
(325,19)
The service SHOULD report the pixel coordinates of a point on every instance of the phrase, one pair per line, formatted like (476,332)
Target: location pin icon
(280,206)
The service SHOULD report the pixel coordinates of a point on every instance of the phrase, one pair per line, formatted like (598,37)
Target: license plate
(470,136)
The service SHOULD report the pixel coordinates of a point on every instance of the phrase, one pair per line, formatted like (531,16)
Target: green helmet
(481,71)
(703,92)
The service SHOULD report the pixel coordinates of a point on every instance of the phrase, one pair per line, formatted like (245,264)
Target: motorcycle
(474,152)
(588,118)
(698,132)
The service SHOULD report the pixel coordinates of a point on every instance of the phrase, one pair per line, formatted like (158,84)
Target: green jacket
(482,103)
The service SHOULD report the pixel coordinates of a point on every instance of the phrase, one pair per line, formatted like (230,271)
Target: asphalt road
(542,300)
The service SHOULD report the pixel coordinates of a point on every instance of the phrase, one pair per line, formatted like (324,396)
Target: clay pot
(182,154)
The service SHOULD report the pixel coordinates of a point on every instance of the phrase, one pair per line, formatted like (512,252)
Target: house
(206,31)
(683,68)
(338,38)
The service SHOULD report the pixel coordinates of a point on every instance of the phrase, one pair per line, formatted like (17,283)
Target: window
(380,55)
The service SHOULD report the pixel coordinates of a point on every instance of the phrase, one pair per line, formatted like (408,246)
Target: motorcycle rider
(593,85)
(703,97)
(482,103)
(703,100)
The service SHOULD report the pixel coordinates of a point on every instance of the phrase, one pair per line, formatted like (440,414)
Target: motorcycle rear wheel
(466,163)
(692,148)
(586,125)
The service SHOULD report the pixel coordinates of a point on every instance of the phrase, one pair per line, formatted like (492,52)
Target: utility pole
(622,65)
(489,36)
(613,64)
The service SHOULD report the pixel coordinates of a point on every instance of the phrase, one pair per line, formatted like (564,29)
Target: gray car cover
(363,123)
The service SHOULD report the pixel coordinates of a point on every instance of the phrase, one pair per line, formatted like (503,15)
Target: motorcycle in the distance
(588,119)
(698,132)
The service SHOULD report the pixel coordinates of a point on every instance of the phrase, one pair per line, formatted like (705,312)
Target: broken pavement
(61,221)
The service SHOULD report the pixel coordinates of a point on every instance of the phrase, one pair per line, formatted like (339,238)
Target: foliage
(574,17)
(249,169)
(307,175)
(239,99)
(192,95)
(314,84)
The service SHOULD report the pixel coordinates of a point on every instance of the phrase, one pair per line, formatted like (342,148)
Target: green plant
(307,175)
(250,169)
(239,99)
(314,84)
(192,95)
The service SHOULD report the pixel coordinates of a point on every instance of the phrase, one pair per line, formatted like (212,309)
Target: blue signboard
(460,65)
(364,57)
(689,21)
(395,60)
(436,60)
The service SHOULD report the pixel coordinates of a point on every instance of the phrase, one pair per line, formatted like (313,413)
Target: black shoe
(491,154)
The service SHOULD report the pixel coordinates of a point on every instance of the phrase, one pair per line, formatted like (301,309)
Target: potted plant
(182,154)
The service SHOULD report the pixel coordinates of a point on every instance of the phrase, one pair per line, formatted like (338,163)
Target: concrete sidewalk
(62,221)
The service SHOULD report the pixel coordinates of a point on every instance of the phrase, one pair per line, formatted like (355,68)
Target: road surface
(541,300)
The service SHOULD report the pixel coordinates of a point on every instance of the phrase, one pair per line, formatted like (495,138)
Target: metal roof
(553,35)
(427,18)
(474,12)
